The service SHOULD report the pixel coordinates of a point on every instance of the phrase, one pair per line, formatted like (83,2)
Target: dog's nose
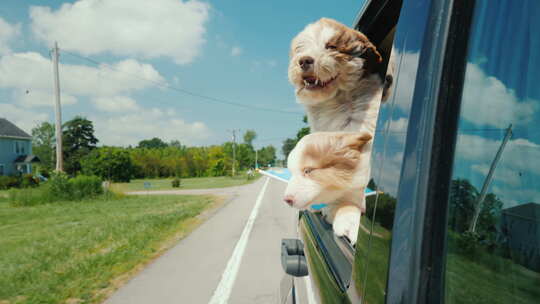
(289,199)
(306,62)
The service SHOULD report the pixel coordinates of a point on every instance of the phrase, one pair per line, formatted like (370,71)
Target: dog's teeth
(317,81)
(305,82)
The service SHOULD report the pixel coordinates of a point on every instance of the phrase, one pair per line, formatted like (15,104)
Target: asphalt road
(234,255)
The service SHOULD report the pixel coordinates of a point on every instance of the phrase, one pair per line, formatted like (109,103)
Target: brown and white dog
(332,168)
(335,73)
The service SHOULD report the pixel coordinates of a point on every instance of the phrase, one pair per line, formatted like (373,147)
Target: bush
(386,206)
(84,186)
(28,197)
(468,244)
(7,182)
(4,181)
(29,181)
(59,187)
(176,182)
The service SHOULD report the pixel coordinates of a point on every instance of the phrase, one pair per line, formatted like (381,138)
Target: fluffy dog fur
(334,71)
(330,167)
(347,91)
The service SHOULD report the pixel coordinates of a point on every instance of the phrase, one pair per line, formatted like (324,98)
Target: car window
(493,232)
(375,234)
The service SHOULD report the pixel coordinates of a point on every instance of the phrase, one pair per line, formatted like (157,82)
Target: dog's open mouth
(314,83)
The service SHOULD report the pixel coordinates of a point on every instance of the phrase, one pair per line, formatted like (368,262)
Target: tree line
(151,158)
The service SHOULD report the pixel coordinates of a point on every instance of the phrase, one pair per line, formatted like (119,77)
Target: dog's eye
(330,46)
(308,170)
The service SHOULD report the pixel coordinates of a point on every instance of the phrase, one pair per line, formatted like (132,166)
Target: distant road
(220,259)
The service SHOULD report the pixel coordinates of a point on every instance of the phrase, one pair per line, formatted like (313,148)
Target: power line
(183,91)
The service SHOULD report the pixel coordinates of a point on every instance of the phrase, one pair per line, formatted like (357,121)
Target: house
(15,150)
(521,226)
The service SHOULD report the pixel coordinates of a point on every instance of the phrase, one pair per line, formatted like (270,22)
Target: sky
(138,68)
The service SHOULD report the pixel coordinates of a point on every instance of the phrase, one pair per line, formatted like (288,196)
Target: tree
(154,143)
(43,142)
(109,163)
(288,146)
(267,155)
(78,140)
(249,136)
(303,131)
(290,143)
(175,143)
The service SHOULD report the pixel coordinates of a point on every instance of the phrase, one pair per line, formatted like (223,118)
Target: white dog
(333,168)
(335,71)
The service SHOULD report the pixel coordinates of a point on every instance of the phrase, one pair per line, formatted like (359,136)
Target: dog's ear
(356,141)
(372,57)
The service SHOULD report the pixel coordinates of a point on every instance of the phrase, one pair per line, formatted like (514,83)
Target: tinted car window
(493,236)
(375,234)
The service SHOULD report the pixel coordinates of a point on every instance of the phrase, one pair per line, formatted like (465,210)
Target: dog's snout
(289,199)
(306,62)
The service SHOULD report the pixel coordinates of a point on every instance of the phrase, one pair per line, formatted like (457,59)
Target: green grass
(187,183)
(81,251)
(375,263)
(490,279)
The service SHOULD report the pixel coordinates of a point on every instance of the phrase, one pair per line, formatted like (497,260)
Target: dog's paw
(347,224)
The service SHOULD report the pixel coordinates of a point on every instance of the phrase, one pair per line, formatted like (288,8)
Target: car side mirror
(293,259)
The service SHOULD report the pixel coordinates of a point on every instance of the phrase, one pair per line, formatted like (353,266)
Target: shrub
(29,181)
(4,181)
(84,186)
(176,182)
(59,187)
(7,182)
(468,244)
(386,206)
(45,172)
(28,197)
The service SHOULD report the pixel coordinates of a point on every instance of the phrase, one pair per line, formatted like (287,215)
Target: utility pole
(256,157)
(488,179)
(58,111)
(234,150)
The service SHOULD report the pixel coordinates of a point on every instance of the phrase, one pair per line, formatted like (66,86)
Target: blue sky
(232,50)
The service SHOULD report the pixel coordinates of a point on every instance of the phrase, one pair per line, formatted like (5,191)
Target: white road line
(309,290)
(223,291)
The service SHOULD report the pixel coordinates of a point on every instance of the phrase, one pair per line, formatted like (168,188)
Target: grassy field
(187,183)
(491,279)
(80,252)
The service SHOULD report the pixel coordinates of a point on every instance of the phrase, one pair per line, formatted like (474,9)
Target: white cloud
(31,71)
(487,101)
(133,127)
(517,172)
(31,98)
(236,50)
(517,155)
(116,104)
(7,33)
(150,29)
(23,118)
(406,67)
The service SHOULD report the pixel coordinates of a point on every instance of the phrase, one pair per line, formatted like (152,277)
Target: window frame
(428,159)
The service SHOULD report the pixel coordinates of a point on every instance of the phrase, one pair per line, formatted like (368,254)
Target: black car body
(456,164)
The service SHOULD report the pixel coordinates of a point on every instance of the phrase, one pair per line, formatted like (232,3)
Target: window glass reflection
(493,251)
